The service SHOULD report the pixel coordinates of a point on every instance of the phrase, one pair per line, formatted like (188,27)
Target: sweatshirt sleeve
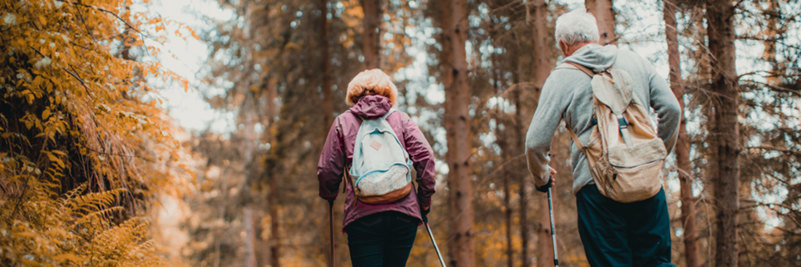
(422,156)
(666,106)
(541,130)
(330,167)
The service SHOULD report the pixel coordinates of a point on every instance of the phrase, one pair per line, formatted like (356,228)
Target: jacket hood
(595,56)
(372,106)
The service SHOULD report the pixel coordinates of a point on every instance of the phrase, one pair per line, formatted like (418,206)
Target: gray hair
(576,26)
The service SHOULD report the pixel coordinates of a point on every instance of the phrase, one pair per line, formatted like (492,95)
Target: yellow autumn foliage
(83,144)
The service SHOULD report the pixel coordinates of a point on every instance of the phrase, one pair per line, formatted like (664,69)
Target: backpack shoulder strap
(568,64)
(575,139)
(392,110)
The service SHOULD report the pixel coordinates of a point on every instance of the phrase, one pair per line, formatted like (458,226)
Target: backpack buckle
(621,121)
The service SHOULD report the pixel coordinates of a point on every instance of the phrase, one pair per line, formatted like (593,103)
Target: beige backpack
(625,156)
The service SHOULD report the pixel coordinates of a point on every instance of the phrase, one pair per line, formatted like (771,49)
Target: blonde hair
(371,82)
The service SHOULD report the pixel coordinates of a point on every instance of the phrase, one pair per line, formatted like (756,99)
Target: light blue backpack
(381,168)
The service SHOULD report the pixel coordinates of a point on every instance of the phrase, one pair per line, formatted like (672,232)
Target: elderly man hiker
(614,233)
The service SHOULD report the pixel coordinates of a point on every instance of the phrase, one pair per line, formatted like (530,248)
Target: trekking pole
(331,233)
(553,229)
(436,248)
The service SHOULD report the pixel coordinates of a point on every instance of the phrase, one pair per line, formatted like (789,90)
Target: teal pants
(623,234)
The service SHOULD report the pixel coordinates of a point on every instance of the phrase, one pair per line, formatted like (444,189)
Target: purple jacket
(338,153)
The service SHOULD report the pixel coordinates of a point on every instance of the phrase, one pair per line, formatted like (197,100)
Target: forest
(188,133)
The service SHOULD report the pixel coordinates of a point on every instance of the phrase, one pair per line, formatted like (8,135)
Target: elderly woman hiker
(373,147)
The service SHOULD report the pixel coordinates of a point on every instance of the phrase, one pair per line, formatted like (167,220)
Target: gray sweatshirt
(567,96)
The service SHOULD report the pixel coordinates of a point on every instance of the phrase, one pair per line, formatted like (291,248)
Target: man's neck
(573,48)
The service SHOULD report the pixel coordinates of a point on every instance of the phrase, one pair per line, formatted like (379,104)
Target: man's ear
(563,47)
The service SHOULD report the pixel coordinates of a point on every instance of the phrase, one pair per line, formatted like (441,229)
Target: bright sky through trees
(187,56)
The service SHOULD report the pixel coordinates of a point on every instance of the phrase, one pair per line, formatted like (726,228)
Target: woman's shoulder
(346,121)
(346,115)
(399,114)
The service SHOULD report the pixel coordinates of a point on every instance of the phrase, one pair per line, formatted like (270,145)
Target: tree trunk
(371,45)
(505,158)
(257,17)
(250,237)
(605,15)
(771,31)
(683,144)
(327,108)
(523,187)
(543,49)
(274,241)
(325,69)
(543,63)
(525,234)
(272,209)
(720,31)
(457,124)
(507,204)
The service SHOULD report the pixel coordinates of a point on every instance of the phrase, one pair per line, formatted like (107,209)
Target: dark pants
(381,239)
(623,234)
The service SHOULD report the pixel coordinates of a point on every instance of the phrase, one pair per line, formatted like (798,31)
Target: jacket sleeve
(422,156)
(331,165)
(541,130)
(666,107)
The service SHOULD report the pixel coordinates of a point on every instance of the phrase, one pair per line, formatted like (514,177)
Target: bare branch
(774,87)
(779,149)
